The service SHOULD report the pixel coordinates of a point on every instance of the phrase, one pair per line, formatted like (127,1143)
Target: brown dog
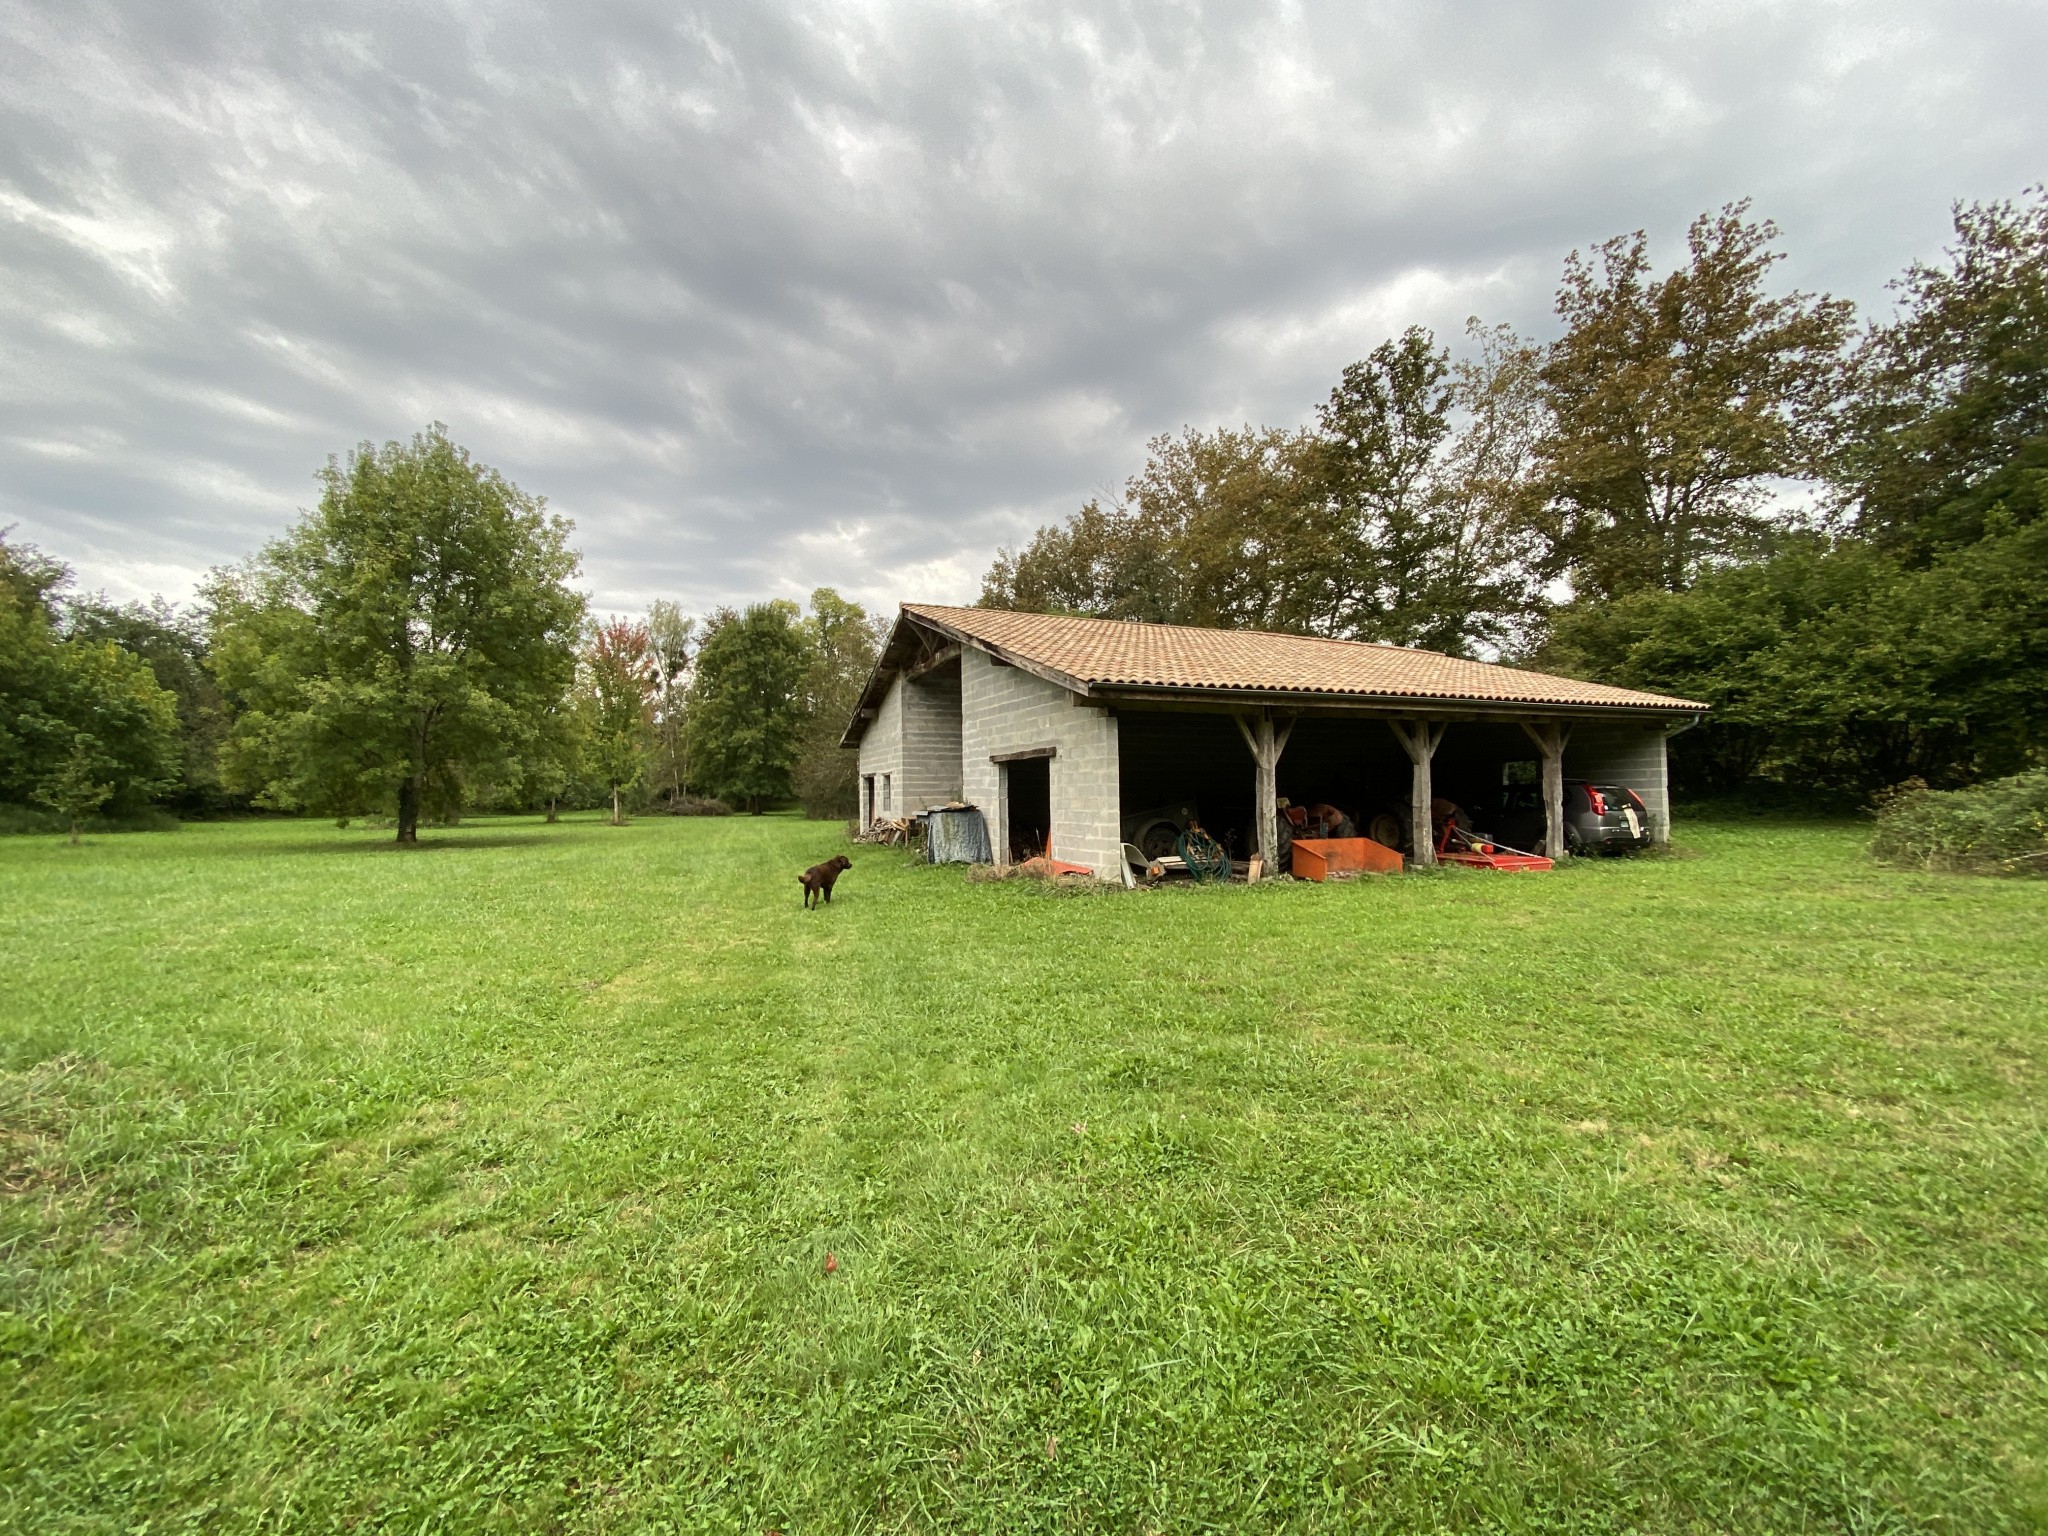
(819,879)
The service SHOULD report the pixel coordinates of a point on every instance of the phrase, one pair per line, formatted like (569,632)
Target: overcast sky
(767,298)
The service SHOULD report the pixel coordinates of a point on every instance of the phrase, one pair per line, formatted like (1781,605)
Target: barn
(1068,732)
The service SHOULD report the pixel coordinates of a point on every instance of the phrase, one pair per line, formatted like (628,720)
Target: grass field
(492,1187)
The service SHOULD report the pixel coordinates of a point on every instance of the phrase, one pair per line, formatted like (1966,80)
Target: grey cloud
(773,297)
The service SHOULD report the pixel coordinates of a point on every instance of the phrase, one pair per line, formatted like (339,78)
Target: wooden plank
(931,663)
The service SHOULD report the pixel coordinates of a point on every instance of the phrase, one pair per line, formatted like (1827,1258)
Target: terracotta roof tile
(1112,653)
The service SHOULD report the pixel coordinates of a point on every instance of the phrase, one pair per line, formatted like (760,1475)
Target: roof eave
(886,668)
(876,687)
(1385,703)
(1002,653)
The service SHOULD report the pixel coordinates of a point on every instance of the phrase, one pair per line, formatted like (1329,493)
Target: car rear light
(1597,800)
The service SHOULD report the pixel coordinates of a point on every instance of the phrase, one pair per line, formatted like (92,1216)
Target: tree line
(1703,485)
(412,647)
(1612,503)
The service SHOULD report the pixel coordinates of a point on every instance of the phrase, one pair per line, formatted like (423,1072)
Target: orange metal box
(1318,858)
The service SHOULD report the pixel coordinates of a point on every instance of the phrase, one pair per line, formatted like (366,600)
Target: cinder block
(1633,755)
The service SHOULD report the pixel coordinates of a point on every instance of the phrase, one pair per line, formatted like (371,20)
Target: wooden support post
(1420,739)
(1266,745)
(1550,738)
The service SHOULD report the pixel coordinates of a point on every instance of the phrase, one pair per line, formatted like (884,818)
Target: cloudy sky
(853,293)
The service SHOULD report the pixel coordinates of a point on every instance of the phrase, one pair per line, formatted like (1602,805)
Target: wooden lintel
(1023,756)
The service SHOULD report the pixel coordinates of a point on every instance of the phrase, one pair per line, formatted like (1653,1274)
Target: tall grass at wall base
(1995,828)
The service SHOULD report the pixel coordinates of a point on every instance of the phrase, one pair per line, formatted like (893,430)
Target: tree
(407,638)
(33,731)
(1428,467)
(672,638)
(746,702)
(1676,400)
(1948,415)
(843,644)
(74,711)
(554,758)
(72,790)
(1381,430)
(173,643)
(1230,521)
(1834,667)
(1404,518)
(618,684)
(1102,562)
(1487,591)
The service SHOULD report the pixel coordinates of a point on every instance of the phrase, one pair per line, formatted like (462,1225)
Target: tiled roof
(1112,653)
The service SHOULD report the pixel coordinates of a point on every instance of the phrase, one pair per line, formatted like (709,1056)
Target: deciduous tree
(746,702)
(1404,518)
(1103,562)
(410,635)
(672,638)
(1676,401)
(73,788)
(173,644)
(1834,667)
(618,683)
(1429,469)
(842,643)
(75,711)
(1945,438)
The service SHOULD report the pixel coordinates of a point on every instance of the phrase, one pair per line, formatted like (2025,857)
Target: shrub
(697,805)
(1995,828)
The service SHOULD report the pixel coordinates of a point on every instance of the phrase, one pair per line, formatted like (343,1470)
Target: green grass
(490,1187)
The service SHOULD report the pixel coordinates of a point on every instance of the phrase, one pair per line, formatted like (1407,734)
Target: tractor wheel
(1157,838)
(1387,830)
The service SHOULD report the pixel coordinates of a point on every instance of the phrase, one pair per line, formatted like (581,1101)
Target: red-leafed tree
(619,682)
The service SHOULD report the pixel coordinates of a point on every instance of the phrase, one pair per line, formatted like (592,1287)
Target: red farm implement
(1454,845)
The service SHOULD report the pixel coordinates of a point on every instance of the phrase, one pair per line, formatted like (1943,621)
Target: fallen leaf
(1079,1127)
(1052,1447)
(831,1263)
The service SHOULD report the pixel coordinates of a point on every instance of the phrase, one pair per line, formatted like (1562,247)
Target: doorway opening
(1027,806)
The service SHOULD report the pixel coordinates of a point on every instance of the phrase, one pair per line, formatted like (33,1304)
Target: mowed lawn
(572,1178)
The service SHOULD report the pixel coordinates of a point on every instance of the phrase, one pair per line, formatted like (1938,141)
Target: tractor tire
(1157,839)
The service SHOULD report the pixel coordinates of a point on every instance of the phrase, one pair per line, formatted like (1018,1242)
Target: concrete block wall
(1631,754)
(930,774)
(881,751)
(1006,709)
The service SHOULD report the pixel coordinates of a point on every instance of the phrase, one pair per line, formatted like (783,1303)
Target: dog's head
(840,861)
